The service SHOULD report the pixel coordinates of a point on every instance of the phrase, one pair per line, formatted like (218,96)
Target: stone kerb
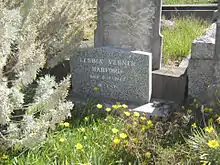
(130,24)
(119,74)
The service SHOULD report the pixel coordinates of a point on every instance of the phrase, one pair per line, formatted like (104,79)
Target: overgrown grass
(177,41)
(188,1)
(122,137)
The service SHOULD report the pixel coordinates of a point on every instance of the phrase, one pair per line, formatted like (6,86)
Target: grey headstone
(204,68)
(120,75)
(204,76)
(130,24)
(203,47)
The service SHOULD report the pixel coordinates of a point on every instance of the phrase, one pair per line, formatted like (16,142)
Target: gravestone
(204,65)
(130,24)
(120,75)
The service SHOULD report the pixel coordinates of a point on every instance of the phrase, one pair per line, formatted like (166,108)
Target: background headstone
(130,24)
(204,67)
(120,75)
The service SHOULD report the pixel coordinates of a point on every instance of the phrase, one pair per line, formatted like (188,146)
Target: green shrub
(36,34)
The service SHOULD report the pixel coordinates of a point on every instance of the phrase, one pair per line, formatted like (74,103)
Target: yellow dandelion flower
(86,118)
(108,109)
(66,124)
(182,107)
(148,154)
(213,143)
(118,103)
(115,106)
(119,106)
(96,89)
(150,123)
(114,130)
(4,156)
(135,140)
(83,129)
(62,123)
(135,123)
(143,118)
(206,109)
(143,128)
(210,110)
(189,111)
(194,125)
(127,113)
(99,106)
(124,106)
(79,146)
(62,140)
(209,129)
(116,140)
(136,114)
(123,135)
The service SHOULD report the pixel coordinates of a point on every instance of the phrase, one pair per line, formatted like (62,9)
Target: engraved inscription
(107,69)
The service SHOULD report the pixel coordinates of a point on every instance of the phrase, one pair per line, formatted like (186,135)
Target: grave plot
(123,72)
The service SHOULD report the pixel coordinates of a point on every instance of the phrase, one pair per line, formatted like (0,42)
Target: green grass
(188,1)
(157,141)
(96,139)
(177,41)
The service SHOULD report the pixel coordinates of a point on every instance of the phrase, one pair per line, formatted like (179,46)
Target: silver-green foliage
(35,34)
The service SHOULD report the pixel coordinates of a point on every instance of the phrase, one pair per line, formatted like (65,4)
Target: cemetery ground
(188,1)
(100,134)
(114,135)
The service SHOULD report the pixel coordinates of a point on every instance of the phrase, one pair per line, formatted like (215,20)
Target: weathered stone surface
(204,67)
(204,76)
(204,47)
(170,83)
(161,108)
(130,24)
(119,74)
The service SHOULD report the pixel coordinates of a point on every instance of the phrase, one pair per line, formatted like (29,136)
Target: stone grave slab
(130,24)
(120,75)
